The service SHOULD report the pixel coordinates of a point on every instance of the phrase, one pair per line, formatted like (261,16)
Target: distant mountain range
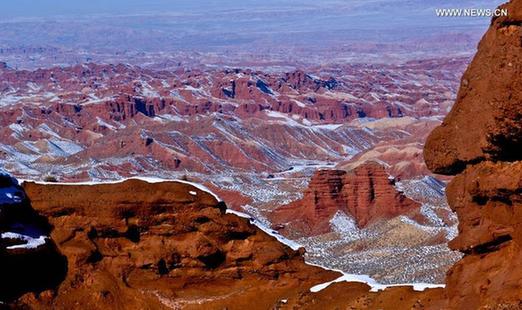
(230,31)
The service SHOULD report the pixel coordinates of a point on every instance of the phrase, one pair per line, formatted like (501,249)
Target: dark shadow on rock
(29,260)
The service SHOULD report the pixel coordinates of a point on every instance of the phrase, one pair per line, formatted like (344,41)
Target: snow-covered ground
(344,224)
(11,195)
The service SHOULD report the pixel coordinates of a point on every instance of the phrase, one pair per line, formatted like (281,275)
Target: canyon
(306,189)
(254,137)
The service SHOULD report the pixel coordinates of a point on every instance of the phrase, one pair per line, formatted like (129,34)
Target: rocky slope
(480,142)
(170,245)
(403,157)
(366,194)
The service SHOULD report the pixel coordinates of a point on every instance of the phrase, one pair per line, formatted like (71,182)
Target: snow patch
(9,192)
(30,242)
(345,225)
(17,128)
(329,126)
(10,195)
(374,285)
(103,123)
(299,103)
(64,148)
(148,91)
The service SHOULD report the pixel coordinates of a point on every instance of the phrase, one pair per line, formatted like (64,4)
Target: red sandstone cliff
(366,193)
(481,142)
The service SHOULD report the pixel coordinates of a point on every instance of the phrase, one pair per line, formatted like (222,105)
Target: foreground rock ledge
(137,245)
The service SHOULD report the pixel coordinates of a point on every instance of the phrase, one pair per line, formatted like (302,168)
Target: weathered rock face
(29,260)
(480,140)
(485,123)
(366,193)
(137,245)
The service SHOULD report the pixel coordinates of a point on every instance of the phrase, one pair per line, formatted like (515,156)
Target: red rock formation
(366,193)
(404,156)
(124,91)
(480,140)
(140,245)
(489,111)
(136,245)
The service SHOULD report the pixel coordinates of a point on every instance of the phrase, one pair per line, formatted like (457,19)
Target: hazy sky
(46,8)
(41,8)
(214,24)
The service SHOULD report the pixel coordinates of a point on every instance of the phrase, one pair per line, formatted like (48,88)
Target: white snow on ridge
(291,121)
(328,126)
(374,285)
(292,244)
(17,128)
(299,103)
(65,148)
(200,187)
(340,222)
(103,123)
(148,91)
(9,99)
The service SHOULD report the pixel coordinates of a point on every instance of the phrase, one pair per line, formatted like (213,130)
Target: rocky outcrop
(485,124)
(137,245)
(366,193)
(480,142)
